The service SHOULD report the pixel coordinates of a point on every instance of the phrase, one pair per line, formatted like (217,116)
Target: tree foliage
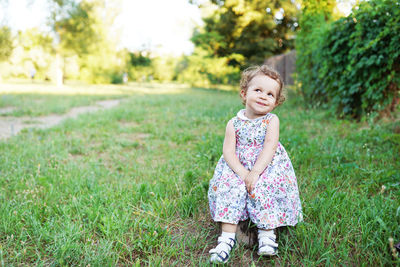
(38,50)
(137,59)
(356,66)
(74,24)
(80,25)
(84,29)
(255,29)
(200,69)
(6,45)
(315,19)
(32,49)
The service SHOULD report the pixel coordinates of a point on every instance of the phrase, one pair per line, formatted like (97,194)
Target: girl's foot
(220,254)
(266,243)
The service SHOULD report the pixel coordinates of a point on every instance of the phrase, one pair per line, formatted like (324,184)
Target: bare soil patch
(128,124)
(6,110)
(10,126)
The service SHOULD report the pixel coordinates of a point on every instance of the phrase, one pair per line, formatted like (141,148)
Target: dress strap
(235,121)
(269,117)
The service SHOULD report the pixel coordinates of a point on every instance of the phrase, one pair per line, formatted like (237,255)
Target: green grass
(129,186)
(40,105)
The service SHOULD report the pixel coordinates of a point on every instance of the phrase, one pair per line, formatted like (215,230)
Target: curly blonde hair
(251,72)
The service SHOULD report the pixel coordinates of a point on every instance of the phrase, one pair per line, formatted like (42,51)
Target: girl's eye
(258,90)
(270,94)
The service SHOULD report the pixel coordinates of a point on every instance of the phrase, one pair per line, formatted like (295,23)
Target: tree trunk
(59,72)
(246,233)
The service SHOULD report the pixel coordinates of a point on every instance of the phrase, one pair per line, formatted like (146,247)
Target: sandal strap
(267,242)
(229,241)
(264,234)
(222,251)
(270,250)
(225,258)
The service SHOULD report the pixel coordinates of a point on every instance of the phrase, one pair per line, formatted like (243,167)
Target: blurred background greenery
(348,60)
(128,186)
(81,42)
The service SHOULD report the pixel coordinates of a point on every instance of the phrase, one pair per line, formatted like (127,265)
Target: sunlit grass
(24,98)
(128,186)
(78,88)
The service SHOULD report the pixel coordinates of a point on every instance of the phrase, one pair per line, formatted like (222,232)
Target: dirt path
(10,126)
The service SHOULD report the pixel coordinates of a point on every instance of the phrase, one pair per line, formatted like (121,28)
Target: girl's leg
(227,199)
(229,227)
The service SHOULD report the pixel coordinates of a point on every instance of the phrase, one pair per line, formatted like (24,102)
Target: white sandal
(220,254)
(266,244)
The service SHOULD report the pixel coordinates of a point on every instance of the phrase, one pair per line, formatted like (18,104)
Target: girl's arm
(229,152)
(266,155)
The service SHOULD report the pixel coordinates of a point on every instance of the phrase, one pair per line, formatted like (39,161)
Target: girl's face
(261,96)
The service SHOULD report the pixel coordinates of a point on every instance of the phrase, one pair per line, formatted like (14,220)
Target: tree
(80,25)
(6,46)
(74,26)
(38,50)
(83,28)
(255,29)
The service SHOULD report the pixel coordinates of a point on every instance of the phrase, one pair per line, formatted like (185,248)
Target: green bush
(140,74)
(201,69)
(116,78)
(355,66)
(314,23)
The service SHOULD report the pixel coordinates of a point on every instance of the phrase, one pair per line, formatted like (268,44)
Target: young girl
(254,177)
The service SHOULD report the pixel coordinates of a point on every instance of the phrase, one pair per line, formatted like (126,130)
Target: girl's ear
(243,94)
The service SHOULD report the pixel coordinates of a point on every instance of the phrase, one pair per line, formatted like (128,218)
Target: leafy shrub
(356,66)
(201,69)
(116,78)
(314,22)
(140,74)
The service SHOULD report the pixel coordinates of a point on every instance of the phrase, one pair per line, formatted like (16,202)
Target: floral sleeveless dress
(275,201)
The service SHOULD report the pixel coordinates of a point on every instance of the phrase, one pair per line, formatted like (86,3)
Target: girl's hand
(244,174)
(251,181)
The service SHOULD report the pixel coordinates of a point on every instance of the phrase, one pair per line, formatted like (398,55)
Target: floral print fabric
(275,201)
